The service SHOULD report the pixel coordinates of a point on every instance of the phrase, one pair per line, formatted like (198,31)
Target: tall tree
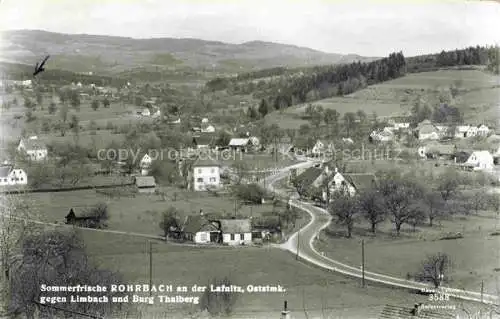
(263,108)
(345,209)
(372,208)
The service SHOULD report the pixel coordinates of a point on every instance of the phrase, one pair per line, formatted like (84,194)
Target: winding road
(320,219)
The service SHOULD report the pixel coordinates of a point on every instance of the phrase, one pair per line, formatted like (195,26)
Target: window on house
(232,236)
(242,236)
(199,170)
(5,180)
(203,237)
(212,179)
(212,170)
(22,179)
(200,180)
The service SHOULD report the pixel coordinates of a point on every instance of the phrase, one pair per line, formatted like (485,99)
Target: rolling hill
(110,54)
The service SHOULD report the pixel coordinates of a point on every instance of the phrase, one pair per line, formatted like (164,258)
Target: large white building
(206,175)
(10,176)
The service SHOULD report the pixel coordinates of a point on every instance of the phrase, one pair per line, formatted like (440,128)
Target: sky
(369,28)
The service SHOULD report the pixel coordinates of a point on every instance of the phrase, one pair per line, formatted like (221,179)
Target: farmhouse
(200,230)
(437,151)
(206,175)
(480,160)
(84,219)
(145,184)
(461,131)
(241,144)
(427,131)
(10,176)
(351,183)
(33,148)
(236,231)
(146,112)
(385,135)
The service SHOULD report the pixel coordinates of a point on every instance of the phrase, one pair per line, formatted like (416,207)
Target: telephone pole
(298,241)
(363,263)
(482,289)
(150,266)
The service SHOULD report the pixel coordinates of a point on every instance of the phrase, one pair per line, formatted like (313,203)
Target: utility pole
(150,266)
(363,263)
(298,241)
(285,314)
(482,289)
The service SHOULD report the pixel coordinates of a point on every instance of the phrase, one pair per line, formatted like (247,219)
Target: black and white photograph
(248,159)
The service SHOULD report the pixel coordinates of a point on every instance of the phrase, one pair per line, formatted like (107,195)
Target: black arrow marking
(39,67)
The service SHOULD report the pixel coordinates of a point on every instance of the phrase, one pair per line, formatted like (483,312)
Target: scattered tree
(169,222)
(435,269)
(95,105)
(345,209)
(372,208)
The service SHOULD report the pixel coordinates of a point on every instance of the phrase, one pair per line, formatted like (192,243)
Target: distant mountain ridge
(112,54)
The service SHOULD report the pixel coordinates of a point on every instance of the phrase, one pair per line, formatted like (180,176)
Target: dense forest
(281,87)
(59,77)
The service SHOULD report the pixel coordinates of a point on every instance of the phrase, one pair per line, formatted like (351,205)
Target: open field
(478,97)
(400,256)
(141,214)
(305,285)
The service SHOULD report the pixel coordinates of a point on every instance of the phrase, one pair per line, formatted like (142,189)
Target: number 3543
(439,297)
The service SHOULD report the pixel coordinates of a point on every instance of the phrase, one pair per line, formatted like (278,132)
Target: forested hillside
(280,87)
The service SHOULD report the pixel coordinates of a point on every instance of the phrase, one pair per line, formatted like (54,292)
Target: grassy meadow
(478,97)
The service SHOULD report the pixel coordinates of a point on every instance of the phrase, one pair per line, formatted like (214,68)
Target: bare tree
(435,269)
(399,196)
(372,208)
(448,184)
(169,221)
(477,200)
(345,209)
(434,204)
(13,229)
(218,303)
(57,258)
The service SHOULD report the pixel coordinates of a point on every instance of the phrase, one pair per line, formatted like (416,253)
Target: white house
(146,112)
(352,183)
(204,120)
(145,164)
(427,131)
(480,160)
(483,130)
(10,176)
(318,148)
(206,175)
(241,144)
(382,136)
(33,148)
(207,128)
(200,230)
(461,131)
(236,231)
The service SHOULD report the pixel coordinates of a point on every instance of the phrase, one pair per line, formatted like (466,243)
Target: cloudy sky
(370,28)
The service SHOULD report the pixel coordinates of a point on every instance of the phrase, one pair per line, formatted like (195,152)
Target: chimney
(285,314)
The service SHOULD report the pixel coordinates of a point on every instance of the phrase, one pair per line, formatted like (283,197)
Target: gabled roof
(361,181)
(197,223)
(482,155)
(239,141)
(145,181)
(5,170)
(401,312)
(441,149)
(204,139)
(308,176)
(33,144)
(234,226)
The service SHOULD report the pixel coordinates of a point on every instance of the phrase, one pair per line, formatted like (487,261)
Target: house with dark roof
(236,231)
(203,141)
(200,230)
(83,219)
(10,176)
(437,150)
(313,178)
(145,184)
(35,149)
(240,144)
